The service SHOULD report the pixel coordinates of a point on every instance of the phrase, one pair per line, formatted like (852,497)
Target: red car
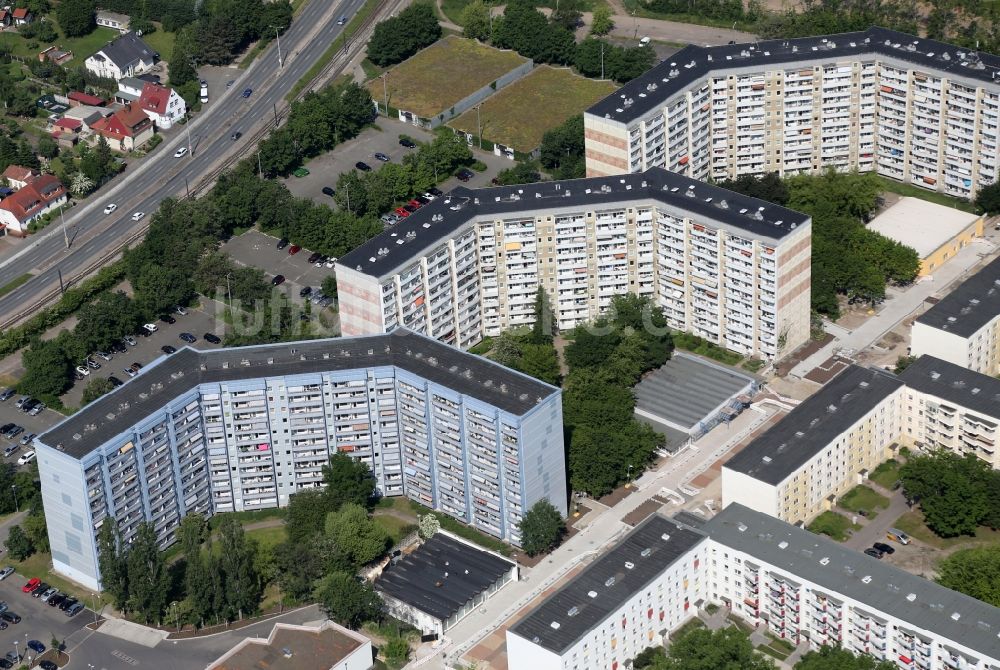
(32,584)
(401,212)
(294,249)
(416,203)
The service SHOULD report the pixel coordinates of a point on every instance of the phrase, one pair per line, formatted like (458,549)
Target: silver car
(49,592)
(6,572)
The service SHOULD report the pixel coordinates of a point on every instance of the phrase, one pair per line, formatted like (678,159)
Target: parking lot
(261,250)
(324,170)
(32,424)
(39,621)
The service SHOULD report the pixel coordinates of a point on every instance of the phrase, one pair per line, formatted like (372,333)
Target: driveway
(874,530)
(383,138)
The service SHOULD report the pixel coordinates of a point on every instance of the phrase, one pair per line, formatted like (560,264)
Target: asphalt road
(162,176)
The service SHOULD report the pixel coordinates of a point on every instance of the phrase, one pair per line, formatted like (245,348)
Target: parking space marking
(122,656)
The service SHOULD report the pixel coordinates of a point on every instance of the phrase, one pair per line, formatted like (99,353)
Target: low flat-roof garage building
(441,582)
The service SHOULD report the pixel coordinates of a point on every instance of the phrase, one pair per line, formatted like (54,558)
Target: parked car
(364,167)
(129,371)
(66,604)
(389,219)
(129,340)
(410,208)
(26,440)
(82,370)
(180,311)
(428,196)
(180,153)
(10,617)
(898,536)
(278,279)
(115,381)
(6,572)
(136,366)
(20,401)
(14,433)
(42,588)
(381,156)
(435,191)
(416,204)
(330,262)
(36,409)
(57,600)
(49,592)
(306,290)
(167,349)
(74,609)
(166,318)
(10,450)
(247,92)
(421,199)
(401,212)
(5,662)
(407,142)
(103,355)
(321,261)
(31,585)
(300,172)
(214,339)
(188,337)
(119,347)
(36,646)
(282,243)
(235,136)
(294,249)
(465,174)
(7,428)
(6,395)
(329,191)
(151,327)
(26,458)
(884,548)
(313,257)
(47,665)
(138,216)
(874,553)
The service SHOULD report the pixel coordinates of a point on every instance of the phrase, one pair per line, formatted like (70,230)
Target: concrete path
(874,530)
(133,632)
(899,304)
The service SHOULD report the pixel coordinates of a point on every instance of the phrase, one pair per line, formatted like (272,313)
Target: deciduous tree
(148,581)
(541,528)
(111,562)
(348,480)
(974,572)
(838,658)
(19,546)
(357,534)
(347,600)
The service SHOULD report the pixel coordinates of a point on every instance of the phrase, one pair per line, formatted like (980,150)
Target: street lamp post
(479,126)
(190,150)
(13,487)
(629,477)
(93,600)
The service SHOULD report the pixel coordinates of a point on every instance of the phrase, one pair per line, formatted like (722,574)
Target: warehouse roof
(171,376)
(442,576)
(807,429)
(695,63)
(687,390)
(924,226)
(443,218)
(920,602)
(953,383)
(970,306)
(589,598)
(292,647)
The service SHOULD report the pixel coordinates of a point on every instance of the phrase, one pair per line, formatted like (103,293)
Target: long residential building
(964,326)
(911,109)
(829,443)
(732,269)
(804,588)
(245,428)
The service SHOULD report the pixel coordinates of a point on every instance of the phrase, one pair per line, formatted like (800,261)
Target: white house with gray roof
(125,56)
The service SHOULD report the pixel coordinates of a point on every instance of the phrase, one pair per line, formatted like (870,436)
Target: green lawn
(931,196)
(863,498)
(161,42)
(39,565)
(268,537)
(14,283)
(82,47)
(912,523)
(522,112)
(437,77)
(247,517)
(832,524)
(693,624)
(396,527)
(639,7)
(886,474)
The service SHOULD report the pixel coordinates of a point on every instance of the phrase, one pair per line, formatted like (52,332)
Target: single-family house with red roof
(161,104)
(77,98)
(126,129)
(42,195)
(18,176)
(5,17)
(22,16)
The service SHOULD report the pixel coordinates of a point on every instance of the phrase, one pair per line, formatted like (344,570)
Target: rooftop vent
(742,527)
(665,537)
(956,616)
(609,582)
(867,579)
(573,611)
(286,652)
(592,594)
(783,545)
(825,560)
(646,552)
(555,625)
(629,565)
(766,459)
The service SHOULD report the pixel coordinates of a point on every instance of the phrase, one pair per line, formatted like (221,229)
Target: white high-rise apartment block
(732,269)
(964,327)
(911,109)
(802,587)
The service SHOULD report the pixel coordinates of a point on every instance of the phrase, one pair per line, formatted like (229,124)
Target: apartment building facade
(964,326)
(802,587)
(910,109)
(245,428)
(731,269)
(830,442)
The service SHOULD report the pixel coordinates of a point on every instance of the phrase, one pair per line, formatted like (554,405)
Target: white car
(180,153)
(26,458)
(151,327)
(83,370)
(110,208)
(6,572)
(138,216)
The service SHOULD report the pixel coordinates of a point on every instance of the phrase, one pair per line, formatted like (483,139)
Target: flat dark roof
(807,429)
(686,389)
(969,306)
(953,383)
(171,376)
(869,581)
(572,609)
(693,63)
(442,575)
(440,220)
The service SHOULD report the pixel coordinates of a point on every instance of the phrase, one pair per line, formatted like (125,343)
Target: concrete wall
(359,297)
(939,256)
(738,487)
(930,341)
